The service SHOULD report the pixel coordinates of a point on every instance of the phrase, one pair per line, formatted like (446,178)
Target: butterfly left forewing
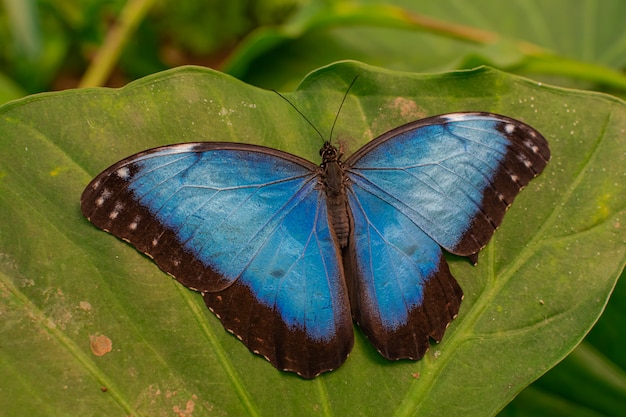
(246,226)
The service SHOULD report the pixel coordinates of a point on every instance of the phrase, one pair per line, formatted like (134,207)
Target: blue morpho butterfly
(286,253)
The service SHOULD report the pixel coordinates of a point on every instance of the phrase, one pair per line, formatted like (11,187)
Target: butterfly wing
(445,181)
(400,287)
(246,226)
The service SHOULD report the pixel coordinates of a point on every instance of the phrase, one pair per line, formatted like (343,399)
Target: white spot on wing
(123,173)
(531,146)
(509,128)
(525,161)
(135,223)
(116,210)
(104,196)
(452,117)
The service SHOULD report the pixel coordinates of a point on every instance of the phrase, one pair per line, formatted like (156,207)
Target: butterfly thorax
(333,182)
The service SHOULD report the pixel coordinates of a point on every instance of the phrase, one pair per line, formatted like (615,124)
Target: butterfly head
(330,153)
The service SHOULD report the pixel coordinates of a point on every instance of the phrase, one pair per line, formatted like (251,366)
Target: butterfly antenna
(311,123)
(340,106)
(301,114)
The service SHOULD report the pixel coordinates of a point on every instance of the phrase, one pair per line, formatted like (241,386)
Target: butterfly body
(333,180)
(287,253)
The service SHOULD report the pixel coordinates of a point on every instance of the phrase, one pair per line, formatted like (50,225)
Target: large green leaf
(66,288)
(589,382)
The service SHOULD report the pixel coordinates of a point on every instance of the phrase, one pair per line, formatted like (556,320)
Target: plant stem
(105,59)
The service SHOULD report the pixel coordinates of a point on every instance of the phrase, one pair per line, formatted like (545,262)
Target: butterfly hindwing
(245,225)
(445,181)
(401,289)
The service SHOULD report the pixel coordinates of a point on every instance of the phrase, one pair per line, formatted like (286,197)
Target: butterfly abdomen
(333,180)
(338,212)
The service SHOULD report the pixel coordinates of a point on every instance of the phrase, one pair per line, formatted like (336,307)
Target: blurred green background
(49,45)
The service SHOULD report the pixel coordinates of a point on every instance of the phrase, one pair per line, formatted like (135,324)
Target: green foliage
(47,44)
(538,287)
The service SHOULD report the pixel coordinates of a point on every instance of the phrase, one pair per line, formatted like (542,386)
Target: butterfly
(287,253)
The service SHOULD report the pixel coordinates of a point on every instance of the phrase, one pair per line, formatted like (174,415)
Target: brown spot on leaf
(100,344)
(408,108)
(189,407)
(396,112)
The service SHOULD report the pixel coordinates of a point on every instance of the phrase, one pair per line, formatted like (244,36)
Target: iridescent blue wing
(445,181)
(248,227)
